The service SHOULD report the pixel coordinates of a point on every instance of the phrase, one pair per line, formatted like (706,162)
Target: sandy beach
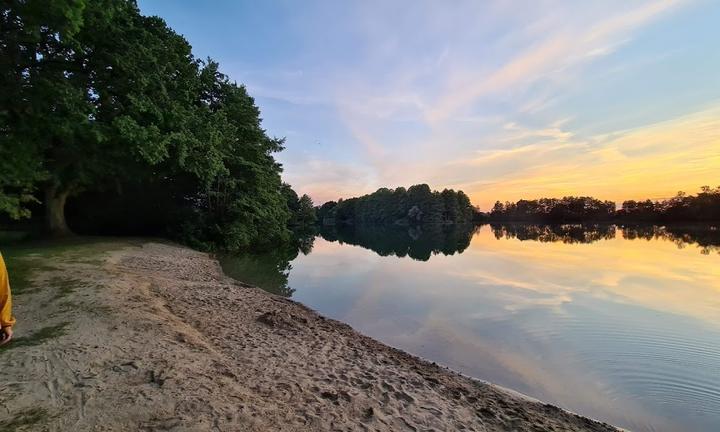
(133,335)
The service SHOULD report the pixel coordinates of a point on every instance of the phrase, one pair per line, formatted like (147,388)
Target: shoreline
(153,336)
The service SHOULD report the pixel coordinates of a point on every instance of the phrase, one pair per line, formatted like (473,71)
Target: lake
(618,324)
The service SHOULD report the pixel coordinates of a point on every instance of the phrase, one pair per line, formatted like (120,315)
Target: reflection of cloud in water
(659,276)
(524,369)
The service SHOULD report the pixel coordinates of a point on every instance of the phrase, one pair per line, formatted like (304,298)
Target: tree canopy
(415,205)
(703,207)
(102,106)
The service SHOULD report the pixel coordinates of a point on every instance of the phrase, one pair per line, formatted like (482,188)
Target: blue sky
(503,99)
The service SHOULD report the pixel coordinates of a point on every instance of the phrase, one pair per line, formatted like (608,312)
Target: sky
(502,99)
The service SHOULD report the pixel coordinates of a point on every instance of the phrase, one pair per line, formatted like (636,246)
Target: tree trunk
(55,211)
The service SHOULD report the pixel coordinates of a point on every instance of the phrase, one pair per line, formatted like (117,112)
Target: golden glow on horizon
(650,162)
(653,162)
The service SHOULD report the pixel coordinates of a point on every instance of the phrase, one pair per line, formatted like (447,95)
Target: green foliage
(302,210)
(30,34)
(306,215)
(303,213)
(98,101)
(703,207)
(40,336)
(413,206)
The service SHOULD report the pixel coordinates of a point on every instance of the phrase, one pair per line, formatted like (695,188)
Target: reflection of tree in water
(705,236)
(566,233)
(269,270)
(418,243)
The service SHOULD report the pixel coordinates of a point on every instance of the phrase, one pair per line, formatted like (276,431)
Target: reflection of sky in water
(627,331)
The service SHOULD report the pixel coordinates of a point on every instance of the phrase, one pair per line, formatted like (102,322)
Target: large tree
(35,39)
(98,91)
(97,97)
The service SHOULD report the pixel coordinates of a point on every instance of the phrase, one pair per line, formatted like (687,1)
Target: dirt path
(153,337)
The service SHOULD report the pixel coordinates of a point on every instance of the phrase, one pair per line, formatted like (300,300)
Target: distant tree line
(703,207)
(416,205)
(552,210)
(107,114)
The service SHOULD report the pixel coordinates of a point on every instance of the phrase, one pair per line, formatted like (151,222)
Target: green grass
(97,310)
(13,236)
(25,420)
(20,269)
(64,285)
(38,337)
(24,258)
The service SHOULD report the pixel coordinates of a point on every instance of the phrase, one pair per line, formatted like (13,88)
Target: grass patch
(24,258)
(25,418)
(97,310)
(20,270)
(39,337)
(14,236)
(64,285)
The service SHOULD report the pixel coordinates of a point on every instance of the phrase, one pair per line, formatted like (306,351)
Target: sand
(153,337)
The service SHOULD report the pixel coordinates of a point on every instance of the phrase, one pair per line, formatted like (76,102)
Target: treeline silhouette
(703,207)
(553,210)
(416,205)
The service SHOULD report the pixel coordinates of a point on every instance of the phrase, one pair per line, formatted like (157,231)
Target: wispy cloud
(505,101)
(560,50)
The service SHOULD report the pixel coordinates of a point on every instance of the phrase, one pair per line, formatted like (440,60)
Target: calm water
(622,325)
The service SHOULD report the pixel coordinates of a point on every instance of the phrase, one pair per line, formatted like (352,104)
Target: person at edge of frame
(6,317)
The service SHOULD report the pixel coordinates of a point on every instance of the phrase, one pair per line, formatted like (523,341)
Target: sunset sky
(502,99)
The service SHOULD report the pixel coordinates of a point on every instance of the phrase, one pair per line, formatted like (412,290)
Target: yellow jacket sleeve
(6,317)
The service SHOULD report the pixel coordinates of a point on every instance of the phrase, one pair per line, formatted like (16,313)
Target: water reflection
(620,323)
(269,270)
(707,237)
(418,243)
(568,233)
